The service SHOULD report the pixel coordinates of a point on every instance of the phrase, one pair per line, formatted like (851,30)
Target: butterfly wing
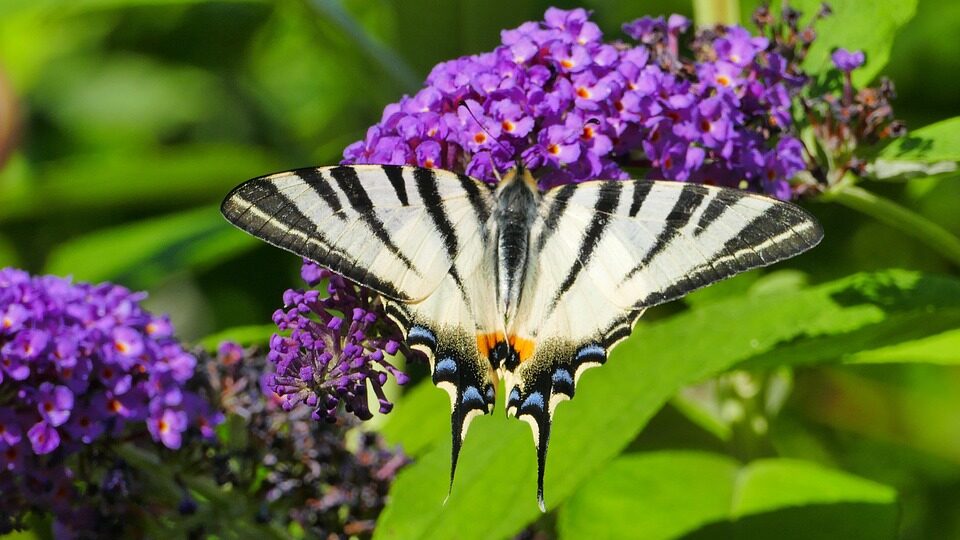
(417,236)
(602,252)
(374,224)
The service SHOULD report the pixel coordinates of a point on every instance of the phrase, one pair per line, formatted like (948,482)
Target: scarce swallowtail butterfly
(509,282)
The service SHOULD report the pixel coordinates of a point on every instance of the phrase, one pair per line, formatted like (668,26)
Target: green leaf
(497,469)
(930,144)
(899,316)
(152,178)
(856,25)
(414,422)
(898,171)
(941,348)
(668,494)
(8,253)
(144,253)
(929,151)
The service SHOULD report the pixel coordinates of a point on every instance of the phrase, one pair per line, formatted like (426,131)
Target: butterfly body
(510,283)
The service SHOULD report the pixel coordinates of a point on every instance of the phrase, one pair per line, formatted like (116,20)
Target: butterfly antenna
(503,145)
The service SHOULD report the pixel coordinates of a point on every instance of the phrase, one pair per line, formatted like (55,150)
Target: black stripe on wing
(395,176)
(261,209)
(608,199)
(349,182)
(689,200)
(426,181)
(314,178)
(781,231)
(557,207)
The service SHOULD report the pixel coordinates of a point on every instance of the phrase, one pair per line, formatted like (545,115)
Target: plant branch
(392,65)
(898,217)
(711,12)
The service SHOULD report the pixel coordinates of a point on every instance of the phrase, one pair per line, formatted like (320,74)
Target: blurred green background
(137,116)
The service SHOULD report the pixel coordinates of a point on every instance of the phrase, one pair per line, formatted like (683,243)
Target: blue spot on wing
(419,333)
(595,353)
(561,375)
(533,400)
(447,366)
(514,398)
(472,394)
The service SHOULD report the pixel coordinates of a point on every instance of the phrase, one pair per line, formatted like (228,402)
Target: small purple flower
(10,432)
(168,426)
(54,403)
(44,438)
(847,61)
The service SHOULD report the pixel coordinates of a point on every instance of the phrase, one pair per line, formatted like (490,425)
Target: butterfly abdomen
(514,215)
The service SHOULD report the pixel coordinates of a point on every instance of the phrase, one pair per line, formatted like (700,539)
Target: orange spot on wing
(486,342)
(524,347)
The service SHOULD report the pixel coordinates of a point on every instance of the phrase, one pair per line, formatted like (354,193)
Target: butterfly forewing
(605,251)
(373,224)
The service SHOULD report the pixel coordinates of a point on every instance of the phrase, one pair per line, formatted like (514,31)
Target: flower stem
(392,64)
(886,211)
(711,12)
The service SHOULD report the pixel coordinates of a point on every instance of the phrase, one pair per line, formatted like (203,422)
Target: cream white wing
(602,252)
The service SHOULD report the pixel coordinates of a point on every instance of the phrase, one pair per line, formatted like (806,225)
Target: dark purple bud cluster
(339,345)
(304,471)
(845,123)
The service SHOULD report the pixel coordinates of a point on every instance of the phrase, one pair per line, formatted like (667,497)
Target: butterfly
(509,282)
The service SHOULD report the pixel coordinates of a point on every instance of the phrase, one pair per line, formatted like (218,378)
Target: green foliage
(144,253)
(682,491)
(867,26)
(929,144)
(140,115)
(615,402)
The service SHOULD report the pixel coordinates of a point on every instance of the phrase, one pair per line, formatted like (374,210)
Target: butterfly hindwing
(602,252)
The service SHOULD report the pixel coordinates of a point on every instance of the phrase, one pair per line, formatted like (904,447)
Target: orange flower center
(567,63)
(587,133)
(583,92)
(508,126)
(114,405)
(723,80)
(480,137)
(553,149)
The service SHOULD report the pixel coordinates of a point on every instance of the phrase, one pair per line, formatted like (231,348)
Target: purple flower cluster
(79,362)
(338,345)
(557,98)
